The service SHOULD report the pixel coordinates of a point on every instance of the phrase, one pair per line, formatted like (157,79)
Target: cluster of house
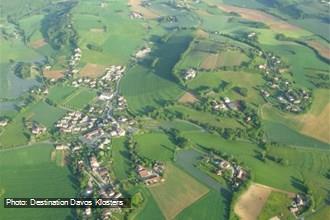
(4,122)
(100,182)
(143,52)
(151,176)
(189,74)
(281,89)
(75,122)
(135,15)
(74,61)
(252,34)
(37,129)
(298,204)
(84,82)
(225,104)
(113,73)
(121,103)
(237,174)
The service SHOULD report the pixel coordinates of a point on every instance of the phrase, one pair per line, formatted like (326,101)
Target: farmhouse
(105,96)
(38,129)
(190,74)
(3,122)
(149,177)
(143,52)
(298,204)
(135,15)
(62,147)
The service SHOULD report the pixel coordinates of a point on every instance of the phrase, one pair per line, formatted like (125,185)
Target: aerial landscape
(192,109)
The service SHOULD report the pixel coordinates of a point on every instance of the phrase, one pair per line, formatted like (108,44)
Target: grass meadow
(30,172)
(175,194)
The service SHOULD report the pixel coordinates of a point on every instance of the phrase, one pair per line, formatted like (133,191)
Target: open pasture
(174,195)
(27,169)
(206,118)
(303,163)
(251,202)
(311,124)
(59,93)
(146,12)
(274,23)
(212,54)
(303,61)
(283,134)
(187,98)
(216,80)
(53,74)
(120,155)
(45,114)
(210,202)
(79,99)
(92,70)
(149,208)
(155,146)
(144,89)
(120,35)
(15,134)
(276,205)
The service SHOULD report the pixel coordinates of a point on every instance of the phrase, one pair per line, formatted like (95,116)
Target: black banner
(67,203)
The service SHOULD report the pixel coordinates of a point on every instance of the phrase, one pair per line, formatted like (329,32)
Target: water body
(187,159)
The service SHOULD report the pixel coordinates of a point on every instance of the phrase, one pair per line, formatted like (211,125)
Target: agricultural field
(26,169)
(210,55)
(79,99)
(218,79)
(109,28)
(121,159)
(276,205)
(195,211)
(206,118)
(154,89)
(53,114)
(173,196)
(155,146)
(239,81)
(59,93)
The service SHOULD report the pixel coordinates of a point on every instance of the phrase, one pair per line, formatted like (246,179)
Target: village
(233,173)
(92,129)
(279,91)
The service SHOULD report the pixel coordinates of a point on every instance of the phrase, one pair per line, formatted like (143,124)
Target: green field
(310,165)
(210,202)
(110,28)
(214,79)
(29,172)
(206,117)
(15,134)
(155,146)
(59,93)
(145,90)
(282,134)
(174,194)
(120,154)
(79,99)
(149,209)
(45,114)
(277,205)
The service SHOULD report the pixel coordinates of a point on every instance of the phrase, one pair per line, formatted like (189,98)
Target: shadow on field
(166,53)
(299,184)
